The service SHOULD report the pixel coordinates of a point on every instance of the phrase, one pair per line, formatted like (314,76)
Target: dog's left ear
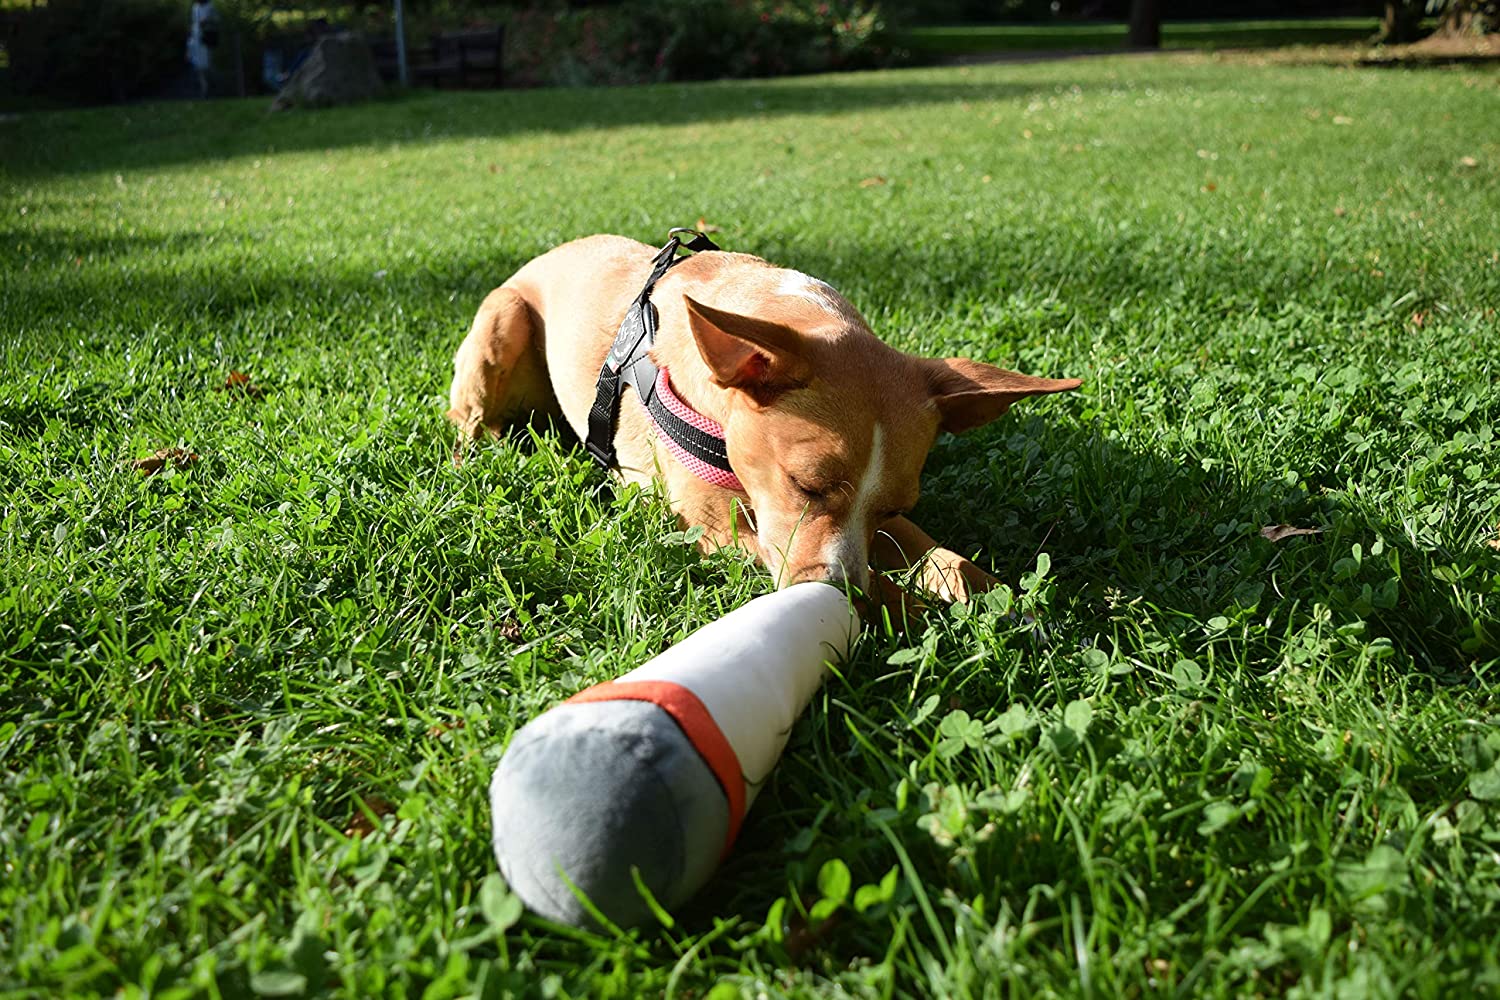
(760,356)
(969,394)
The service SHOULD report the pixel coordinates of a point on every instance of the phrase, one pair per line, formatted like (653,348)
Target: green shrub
(637,42)
(919,12)
(98,50)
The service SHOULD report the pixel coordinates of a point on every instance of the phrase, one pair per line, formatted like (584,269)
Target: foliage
(951,40)
(263,21)
(139,42)
(249,703)
(1466,16)
(83,50)
(969,11)
(692,40)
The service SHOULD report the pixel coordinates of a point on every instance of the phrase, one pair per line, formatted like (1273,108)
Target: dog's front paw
(953,578)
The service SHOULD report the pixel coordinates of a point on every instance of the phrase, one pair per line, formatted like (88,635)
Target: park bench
(464,59)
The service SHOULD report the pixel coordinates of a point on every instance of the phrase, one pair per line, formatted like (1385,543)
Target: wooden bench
(464,59)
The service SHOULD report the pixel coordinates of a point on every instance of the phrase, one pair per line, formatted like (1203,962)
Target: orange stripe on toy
(697,724)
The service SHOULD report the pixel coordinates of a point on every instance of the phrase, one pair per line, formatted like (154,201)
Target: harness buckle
(700,241)
(604,456)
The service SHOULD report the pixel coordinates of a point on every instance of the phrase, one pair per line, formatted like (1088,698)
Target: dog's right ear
(758,356)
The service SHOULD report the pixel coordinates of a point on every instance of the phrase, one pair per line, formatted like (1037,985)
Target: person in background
(203,37)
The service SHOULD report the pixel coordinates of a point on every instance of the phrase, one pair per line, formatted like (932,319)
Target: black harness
(629,363)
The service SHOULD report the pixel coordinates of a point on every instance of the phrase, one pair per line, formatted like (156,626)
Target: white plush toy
(648,777)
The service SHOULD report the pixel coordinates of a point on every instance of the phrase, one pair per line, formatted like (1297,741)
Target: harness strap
(629,363)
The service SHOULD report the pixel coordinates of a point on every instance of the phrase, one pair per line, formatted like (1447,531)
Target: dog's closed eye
(812,489)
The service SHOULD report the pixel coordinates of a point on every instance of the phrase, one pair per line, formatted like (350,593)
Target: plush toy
(647,778)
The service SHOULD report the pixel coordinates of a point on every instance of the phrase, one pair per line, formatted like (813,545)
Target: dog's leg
(900,545)
(498,372)
(904,609)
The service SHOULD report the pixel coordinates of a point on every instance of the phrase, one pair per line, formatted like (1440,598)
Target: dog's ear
(760,356)
(969,394)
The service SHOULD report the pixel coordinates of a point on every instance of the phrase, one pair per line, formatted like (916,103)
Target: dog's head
(828,427)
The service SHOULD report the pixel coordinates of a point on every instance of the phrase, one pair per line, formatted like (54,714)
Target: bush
(88,50)
(115,50)
(638,42)
(910,12)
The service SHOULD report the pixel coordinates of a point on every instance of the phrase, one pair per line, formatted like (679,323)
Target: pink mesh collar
(674,403)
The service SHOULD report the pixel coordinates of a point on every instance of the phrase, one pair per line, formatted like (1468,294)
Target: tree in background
(1145,24)
(86,51)
(1401,21)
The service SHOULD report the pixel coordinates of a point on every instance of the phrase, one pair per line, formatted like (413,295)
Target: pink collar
(674,405)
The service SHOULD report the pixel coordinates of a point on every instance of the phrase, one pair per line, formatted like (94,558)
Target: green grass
(248,708)
(966,39)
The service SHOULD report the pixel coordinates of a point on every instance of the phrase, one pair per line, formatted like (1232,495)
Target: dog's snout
(816,573)
(829,572)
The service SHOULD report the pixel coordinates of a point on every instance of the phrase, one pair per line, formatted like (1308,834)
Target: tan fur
(801,386)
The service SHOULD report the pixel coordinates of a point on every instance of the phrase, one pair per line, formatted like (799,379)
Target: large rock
(340,70)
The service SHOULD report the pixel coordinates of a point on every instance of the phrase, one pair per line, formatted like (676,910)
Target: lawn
(968,39)
(249,704)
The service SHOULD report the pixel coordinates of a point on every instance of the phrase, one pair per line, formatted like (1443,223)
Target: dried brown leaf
(799,936)
(367,816)
(240,382)
(870,182)
(158,460)
(1278,532)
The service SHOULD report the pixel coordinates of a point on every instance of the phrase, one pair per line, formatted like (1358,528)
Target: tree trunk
(1402,22)
(1145,24)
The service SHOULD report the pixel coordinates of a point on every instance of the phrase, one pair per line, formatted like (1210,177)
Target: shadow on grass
(172,134)
(1101,269)
(1183,537)
(53,246)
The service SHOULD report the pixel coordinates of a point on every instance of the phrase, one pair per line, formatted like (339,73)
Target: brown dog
(825,426)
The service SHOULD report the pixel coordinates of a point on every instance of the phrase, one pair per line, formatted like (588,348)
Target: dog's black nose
(826,572)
